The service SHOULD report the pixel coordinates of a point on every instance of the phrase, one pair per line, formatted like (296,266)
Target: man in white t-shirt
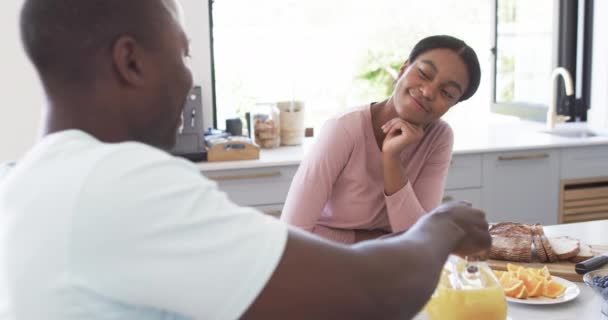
(97,222)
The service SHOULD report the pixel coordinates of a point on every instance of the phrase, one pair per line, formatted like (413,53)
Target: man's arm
(388,279)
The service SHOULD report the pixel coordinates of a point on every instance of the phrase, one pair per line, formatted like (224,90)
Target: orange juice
(457,298)
(477,304)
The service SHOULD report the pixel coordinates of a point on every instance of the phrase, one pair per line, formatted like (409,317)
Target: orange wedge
(544,272)
(538,289)
(498,273)
(516,290)
(522,294)
(507,281)
(513,267)
(553,289)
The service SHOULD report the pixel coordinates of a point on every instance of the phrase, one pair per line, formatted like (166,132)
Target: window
(338,54)
(531,39)
(335,54)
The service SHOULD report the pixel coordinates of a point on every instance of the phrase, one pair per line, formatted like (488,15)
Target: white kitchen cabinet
(472,195)
(274,210)
(464,172)
(521,186)
(584,162)
(464,180)
(584,184)
(256,186)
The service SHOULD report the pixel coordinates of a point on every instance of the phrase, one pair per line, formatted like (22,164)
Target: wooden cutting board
(564,269)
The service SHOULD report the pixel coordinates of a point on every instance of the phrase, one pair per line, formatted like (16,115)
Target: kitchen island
(587,305)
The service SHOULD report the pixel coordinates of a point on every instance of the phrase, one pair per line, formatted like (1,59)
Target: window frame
(572,49)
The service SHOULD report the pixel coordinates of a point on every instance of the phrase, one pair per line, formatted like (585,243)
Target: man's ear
(127,60)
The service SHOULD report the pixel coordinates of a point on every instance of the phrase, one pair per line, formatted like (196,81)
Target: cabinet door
(584,162)
(464,172)
(521,186)
(255,187)
(274,210)
(472,195)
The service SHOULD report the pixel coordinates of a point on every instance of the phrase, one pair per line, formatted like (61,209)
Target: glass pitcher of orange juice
(467,291)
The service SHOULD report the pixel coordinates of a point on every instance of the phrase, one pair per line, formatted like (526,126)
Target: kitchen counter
(468,139)
(587,305)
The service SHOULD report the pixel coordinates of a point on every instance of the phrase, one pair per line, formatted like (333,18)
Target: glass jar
(467,291)
(266,123)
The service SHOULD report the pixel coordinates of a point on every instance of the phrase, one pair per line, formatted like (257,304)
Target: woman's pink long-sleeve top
(339,186)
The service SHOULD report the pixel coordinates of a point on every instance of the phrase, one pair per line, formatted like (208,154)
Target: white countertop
(512,135)
(587,305)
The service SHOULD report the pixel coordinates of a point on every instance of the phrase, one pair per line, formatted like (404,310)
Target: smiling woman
(378,168)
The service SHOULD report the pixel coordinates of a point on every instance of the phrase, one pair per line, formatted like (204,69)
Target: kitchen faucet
(552,118)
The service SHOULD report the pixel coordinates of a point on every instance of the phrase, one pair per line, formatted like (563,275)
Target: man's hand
(467,225)
(399,134)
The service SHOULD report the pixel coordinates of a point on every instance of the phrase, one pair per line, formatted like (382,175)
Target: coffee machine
(189,142)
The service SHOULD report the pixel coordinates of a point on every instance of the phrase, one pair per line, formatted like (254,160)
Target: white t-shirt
(91,230)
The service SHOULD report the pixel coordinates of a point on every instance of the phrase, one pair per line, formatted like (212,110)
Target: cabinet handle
(447,199)
(260,175)
(526,157)
(274,213)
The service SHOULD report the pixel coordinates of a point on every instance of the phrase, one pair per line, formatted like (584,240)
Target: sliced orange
(515,290)
(544,272)
(498,273)
(513,267)
(522,294)
(507,281)
(521,283)
(538,289)
(553,289)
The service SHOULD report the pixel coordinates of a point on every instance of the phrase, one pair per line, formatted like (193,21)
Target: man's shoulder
(78,156)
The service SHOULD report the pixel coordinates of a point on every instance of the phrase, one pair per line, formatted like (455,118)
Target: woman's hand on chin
(400,134)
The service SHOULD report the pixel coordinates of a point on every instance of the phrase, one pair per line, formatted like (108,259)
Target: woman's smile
(419,105)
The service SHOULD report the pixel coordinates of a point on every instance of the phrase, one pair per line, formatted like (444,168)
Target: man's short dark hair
(61,37)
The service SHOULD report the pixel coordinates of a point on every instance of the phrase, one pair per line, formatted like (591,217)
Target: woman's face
(428,86)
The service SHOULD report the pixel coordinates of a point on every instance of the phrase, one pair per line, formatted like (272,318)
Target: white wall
(21,94)
(598,114)
(23,98)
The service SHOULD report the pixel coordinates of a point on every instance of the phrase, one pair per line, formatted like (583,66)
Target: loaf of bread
(520,242)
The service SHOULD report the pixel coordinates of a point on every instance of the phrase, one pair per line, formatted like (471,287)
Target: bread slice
(541,252)
(539,248)
(540,232)
(584,254)
(565,247)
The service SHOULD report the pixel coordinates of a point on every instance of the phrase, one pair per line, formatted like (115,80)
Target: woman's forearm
(394,177)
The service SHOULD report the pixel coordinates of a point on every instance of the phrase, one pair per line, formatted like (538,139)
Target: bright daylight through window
(338,54)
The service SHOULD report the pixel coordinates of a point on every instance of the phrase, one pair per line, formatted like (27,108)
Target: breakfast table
(587,305)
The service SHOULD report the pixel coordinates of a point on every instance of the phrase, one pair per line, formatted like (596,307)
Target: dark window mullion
(566,50)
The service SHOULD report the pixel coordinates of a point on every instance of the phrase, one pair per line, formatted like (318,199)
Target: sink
(572,133)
